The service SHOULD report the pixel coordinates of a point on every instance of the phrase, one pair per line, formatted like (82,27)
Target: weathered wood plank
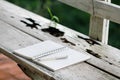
(10,41)
(84,5)
(103,62)
(101,8)
(107,10)
(99,27)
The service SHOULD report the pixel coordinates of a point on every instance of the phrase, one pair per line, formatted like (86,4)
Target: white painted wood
(102,9)
(80,71)
(6,14)
(11,39)
(107,10)
(99,27)
(103,50)
(84,5)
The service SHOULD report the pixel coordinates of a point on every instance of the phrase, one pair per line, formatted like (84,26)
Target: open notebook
(51,55)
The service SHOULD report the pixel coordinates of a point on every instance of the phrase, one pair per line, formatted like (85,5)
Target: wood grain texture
(99,27)
(84,5)
(78,71)
(11,39)
(101,8)
(107,10)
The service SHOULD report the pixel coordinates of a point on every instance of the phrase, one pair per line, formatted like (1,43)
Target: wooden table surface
(14,34)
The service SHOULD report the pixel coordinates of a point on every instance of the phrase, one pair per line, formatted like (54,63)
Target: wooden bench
(105,60)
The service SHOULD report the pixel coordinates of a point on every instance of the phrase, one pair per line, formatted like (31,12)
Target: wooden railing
(105,60)
(100,11)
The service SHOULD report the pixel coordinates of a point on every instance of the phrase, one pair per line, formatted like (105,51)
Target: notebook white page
(46,46)
(37,49)
(74,57)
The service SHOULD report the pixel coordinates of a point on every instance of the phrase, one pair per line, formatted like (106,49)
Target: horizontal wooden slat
(84,5)
(107,10)
(98,8)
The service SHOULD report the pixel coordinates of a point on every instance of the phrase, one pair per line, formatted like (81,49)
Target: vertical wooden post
(99,27)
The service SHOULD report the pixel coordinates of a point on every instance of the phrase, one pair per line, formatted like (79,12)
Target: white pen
(54,58)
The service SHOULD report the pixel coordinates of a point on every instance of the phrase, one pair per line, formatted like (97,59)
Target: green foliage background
(69,16)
